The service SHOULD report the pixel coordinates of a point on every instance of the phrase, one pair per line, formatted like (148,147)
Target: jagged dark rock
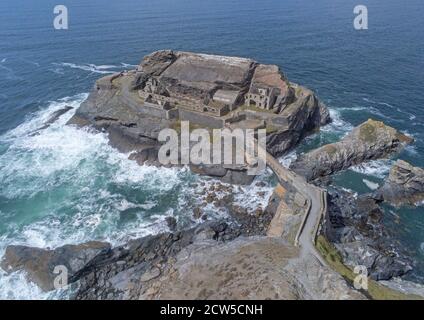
(172,223)
(39,264)
(405,185)
(306,114)
(117,275)
(354,225)
(371,140)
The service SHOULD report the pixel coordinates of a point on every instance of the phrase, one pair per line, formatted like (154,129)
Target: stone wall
(151,109)
(236,118)
(269,118)
(201,119)
(173,114)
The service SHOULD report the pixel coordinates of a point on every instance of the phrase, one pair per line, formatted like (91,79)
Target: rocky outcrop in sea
(371,140)
(40,264)
(241,254)
(354,225)
(114,106)
(404,186)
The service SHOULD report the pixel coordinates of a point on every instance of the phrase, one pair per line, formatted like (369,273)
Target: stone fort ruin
(208,84)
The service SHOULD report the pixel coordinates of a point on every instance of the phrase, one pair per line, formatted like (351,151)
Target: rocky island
(208,91)
(404,185)
(303,245)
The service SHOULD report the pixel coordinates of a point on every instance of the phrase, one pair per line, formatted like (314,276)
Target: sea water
(67,185)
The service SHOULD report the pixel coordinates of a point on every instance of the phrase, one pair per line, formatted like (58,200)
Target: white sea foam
(103,66)
(162,179)
(90,67)
(397,109)
(101,69)
(288,159)
(370,184)
(83,176)
(355,194)
(408,134)
(38,119)
(57,71)
(10,74)
(124,204)
(410,148)
(127,65)
(338,125)
(376,168)
(255,195)
(368,100)
(16,287)
(352,109)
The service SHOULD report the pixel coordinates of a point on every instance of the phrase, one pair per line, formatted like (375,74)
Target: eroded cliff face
(305,114)
(232,258)
(354,225)
(371,140)
(39,264)
(405,185)
(116,106)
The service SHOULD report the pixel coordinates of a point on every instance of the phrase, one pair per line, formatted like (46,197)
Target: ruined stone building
(207,84)
(262,96)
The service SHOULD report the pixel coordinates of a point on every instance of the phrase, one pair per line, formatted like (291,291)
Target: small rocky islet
(236,256)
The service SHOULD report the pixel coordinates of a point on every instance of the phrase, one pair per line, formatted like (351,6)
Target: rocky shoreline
(354,225)
(213,258)
(404,186)
(369,141)
(113,106)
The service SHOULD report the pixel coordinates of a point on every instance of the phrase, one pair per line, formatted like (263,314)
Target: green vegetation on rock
(367,132)
(375,291)
(330,149)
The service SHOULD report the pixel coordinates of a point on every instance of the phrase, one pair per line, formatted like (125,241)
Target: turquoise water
(67,185)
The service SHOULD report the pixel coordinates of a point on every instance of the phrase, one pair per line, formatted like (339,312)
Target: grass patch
(298,91)
(330,149)
(367,132)
(375,290)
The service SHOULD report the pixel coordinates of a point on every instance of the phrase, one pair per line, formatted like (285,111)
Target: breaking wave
(376,168)
(15,286)
(288,159)
(64,185)
(371,185)
(248,196)
(100,69)
(338,125)
(395,113)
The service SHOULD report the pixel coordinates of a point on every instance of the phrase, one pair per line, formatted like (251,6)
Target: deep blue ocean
(67,185)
